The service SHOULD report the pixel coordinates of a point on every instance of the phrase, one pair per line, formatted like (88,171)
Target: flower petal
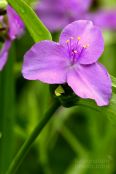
(46,62)
(91,81)
(89,35)
(54,18)
(106,19)
(4,53)
(53,21)
(16,25)
(56,14)
(79,6)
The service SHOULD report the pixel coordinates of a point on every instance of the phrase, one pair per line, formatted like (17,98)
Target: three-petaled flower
(73,61)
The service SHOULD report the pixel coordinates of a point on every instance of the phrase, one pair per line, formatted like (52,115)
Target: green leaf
(7,112)
(113,81)
(34,25)
(31,2)
(110,110)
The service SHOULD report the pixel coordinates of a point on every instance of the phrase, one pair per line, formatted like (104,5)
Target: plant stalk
(28,143)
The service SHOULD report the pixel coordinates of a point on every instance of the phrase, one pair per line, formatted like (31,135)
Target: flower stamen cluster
(75,49)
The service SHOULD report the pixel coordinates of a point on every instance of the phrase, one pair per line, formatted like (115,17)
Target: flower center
(75,49)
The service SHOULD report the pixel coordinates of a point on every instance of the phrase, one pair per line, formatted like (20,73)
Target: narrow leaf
(7,107)
(113,81)
(34,25)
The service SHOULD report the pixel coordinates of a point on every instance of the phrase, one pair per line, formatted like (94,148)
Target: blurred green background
(77,140)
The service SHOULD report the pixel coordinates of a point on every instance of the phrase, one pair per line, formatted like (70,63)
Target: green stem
(7,112)
(27,145)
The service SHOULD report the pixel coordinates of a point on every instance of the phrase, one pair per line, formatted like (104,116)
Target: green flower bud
(64,94)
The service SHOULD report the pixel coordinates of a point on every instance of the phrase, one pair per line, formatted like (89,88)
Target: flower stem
(27,145)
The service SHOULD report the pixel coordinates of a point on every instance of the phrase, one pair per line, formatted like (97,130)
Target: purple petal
(52,20)
(56,14)
(91,81)
(52,14)
(46,61)
(89,35)
(80,6)
(16,26)
(106,19)
(4,53)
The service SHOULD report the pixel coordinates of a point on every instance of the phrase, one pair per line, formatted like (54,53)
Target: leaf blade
(113,81)
(34,25)
(109,110)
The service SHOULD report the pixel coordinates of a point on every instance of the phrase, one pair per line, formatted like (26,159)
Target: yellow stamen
(86,46)
(67,41)
(79,38)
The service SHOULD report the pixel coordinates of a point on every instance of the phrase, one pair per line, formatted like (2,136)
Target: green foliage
(30,1)
(109,110)
(7,112)
(36,28)
(76,137)
(113,81)
(39,32)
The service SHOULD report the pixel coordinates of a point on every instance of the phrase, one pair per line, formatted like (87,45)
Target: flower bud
(64,94)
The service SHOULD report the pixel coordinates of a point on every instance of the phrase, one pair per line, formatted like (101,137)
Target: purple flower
(73,61)
(12,25)
(4,53)
(105,19)
(56,14)
(16,25)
